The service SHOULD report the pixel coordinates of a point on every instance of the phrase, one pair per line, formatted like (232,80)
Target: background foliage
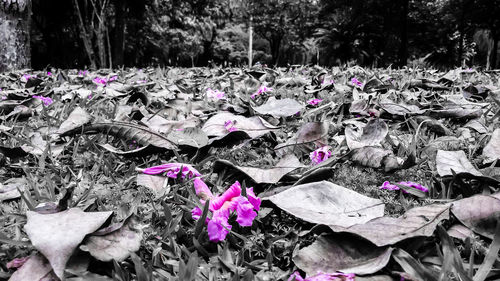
(198,32)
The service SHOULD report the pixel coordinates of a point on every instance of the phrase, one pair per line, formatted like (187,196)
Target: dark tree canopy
(113,33)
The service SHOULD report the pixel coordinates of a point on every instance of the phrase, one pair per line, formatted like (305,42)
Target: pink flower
(229,125)
(320,155)
(49,73)
(338,276)
(223,205)
(356,82)
(262,89)
(83,73)
(46,100)
(17,262)
(314,101)
(172,170)
(27,77)
(215,94)
(104,81)
(387,185)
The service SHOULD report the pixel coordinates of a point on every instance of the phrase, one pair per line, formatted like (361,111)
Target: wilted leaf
(312,132)
(127,131)
(480,213)
(279,108)
(327,203)
(460,232)
(331,253)
(193,137)
(77,118)
(57,235)
(35,268)
(376,157)
(373,134)
(253,126)
(456,161)
(270,175)
(491,151)
(419,221)
(115,245)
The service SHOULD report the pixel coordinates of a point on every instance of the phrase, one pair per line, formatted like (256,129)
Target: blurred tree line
(113,33)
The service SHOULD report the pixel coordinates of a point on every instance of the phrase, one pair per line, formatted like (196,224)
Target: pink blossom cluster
(320,154)
(356,82)
(314,101)
(222,206)
(387,185)
(262,89)
(83,72)
(46,100)
(229,125)
(338,276)
(215,94)
(104,81)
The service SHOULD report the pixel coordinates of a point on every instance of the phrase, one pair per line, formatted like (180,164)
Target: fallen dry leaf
(57,235)
(456,161)
(279,108)
(327,203)
(491,151)
(480,213)
(419,221)
(334,252)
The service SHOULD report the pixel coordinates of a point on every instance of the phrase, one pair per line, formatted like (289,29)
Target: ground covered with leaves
(298,173)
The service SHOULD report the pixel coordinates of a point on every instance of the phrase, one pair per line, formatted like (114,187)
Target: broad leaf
(480,213)
(331,253)
(491,151)
(279,108)
(327,203)
(456,161)
(57,235)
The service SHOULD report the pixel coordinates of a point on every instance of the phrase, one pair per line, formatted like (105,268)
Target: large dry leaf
(36,268)
(254,126)
(376,157)
(480,213)
(312,132)
(279,108)
(456,161)
(162,125)
(127,131)
(77,118)
(491,151)
(271,175)
(331,253)
(420,221)
(327,203)
(372,134)
(118,244)
(57,235)
(194,137)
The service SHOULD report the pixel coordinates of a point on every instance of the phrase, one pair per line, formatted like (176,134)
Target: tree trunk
(15,34)
(494,50)
(119,33)
(250,42)
(403,48)
(86,36)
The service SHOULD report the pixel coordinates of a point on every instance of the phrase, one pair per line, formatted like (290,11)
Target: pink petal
(202,189)
(297,277)
(320,155)
(196,213)
(253,199)
(172,170)
(17,262)
(245,212)
(218,228)
(230,193)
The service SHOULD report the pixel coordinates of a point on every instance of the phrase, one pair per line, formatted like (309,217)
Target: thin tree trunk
(250,42)
(494,50)
(86,38)
(462,35)
(119,33)
(403,48)
(15,34)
